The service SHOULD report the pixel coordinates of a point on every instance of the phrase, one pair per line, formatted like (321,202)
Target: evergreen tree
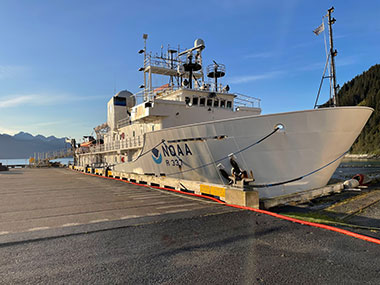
(364,90)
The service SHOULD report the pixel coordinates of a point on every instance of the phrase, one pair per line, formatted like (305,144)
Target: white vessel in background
(195,129)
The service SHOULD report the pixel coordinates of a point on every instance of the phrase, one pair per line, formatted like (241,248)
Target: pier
(42,159)
(35,199)
(58,225)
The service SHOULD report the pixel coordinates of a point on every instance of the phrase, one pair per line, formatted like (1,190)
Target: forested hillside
(364,90)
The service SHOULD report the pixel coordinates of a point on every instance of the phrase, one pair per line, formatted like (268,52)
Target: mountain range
(24,145)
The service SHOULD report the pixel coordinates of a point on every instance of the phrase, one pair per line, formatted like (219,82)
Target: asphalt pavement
(223,248)
(48,198)
(203,244)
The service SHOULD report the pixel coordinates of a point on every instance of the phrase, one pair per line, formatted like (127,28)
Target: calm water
(371,163)
(348,168)
(25,161)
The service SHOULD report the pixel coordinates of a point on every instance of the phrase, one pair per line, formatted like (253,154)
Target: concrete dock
(35,199)
(61,226)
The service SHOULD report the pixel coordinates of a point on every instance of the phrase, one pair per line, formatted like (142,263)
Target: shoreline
(361,156)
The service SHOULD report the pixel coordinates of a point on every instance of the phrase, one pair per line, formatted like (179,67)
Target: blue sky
(60,61)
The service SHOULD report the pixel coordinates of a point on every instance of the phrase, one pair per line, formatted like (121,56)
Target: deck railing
(246,101)
(124,144)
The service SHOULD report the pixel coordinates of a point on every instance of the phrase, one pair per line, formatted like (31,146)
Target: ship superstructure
(194,128)
(186,99)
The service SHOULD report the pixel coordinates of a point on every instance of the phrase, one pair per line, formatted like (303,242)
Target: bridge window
(202,101)
(187,100)
(195,101)
(216,103)
(209,102)
(120,101)
(223,103)
(229,104)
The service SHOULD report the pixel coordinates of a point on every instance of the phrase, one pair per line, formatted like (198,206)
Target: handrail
(161,62)
(123,122)
(127,143)
(150,95)
(246,101)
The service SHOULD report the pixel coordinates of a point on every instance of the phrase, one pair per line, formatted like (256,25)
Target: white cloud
(339,62)
(41,99)
(15,101)
(8,131)
(249,78)
(50,123)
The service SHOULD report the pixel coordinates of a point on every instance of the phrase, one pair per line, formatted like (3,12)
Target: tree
(364,90)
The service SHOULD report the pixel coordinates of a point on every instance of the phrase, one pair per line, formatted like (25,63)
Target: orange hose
(312,224)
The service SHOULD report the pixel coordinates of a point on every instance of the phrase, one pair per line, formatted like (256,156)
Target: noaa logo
(157,157)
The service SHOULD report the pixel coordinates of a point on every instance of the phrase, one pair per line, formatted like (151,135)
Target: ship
(194,128)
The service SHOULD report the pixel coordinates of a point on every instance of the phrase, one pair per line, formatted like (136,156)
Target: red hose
(317,225)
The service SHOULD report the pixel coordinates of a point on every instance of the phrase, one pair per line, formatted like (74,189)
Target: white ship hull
(310,140)
(193,130)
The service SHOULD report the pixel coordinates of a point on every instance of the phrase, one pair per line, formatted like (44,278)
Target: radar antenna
(216,71)
(190,67)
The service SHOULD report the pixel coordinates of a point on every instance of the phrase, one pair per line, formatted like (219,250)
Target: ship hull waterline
(311,143)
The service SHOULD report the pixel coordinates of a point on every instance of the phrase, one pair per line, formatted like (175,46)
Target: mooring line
(298,178)
(225,157)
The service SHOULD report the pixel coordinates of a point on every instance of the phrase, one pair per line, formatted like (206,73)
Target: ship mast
(333,53)
(330,60)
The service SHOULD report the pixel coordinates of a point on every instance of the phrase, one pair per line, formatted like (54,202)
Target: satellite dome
(199,42)
(130,100)
(124,93)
